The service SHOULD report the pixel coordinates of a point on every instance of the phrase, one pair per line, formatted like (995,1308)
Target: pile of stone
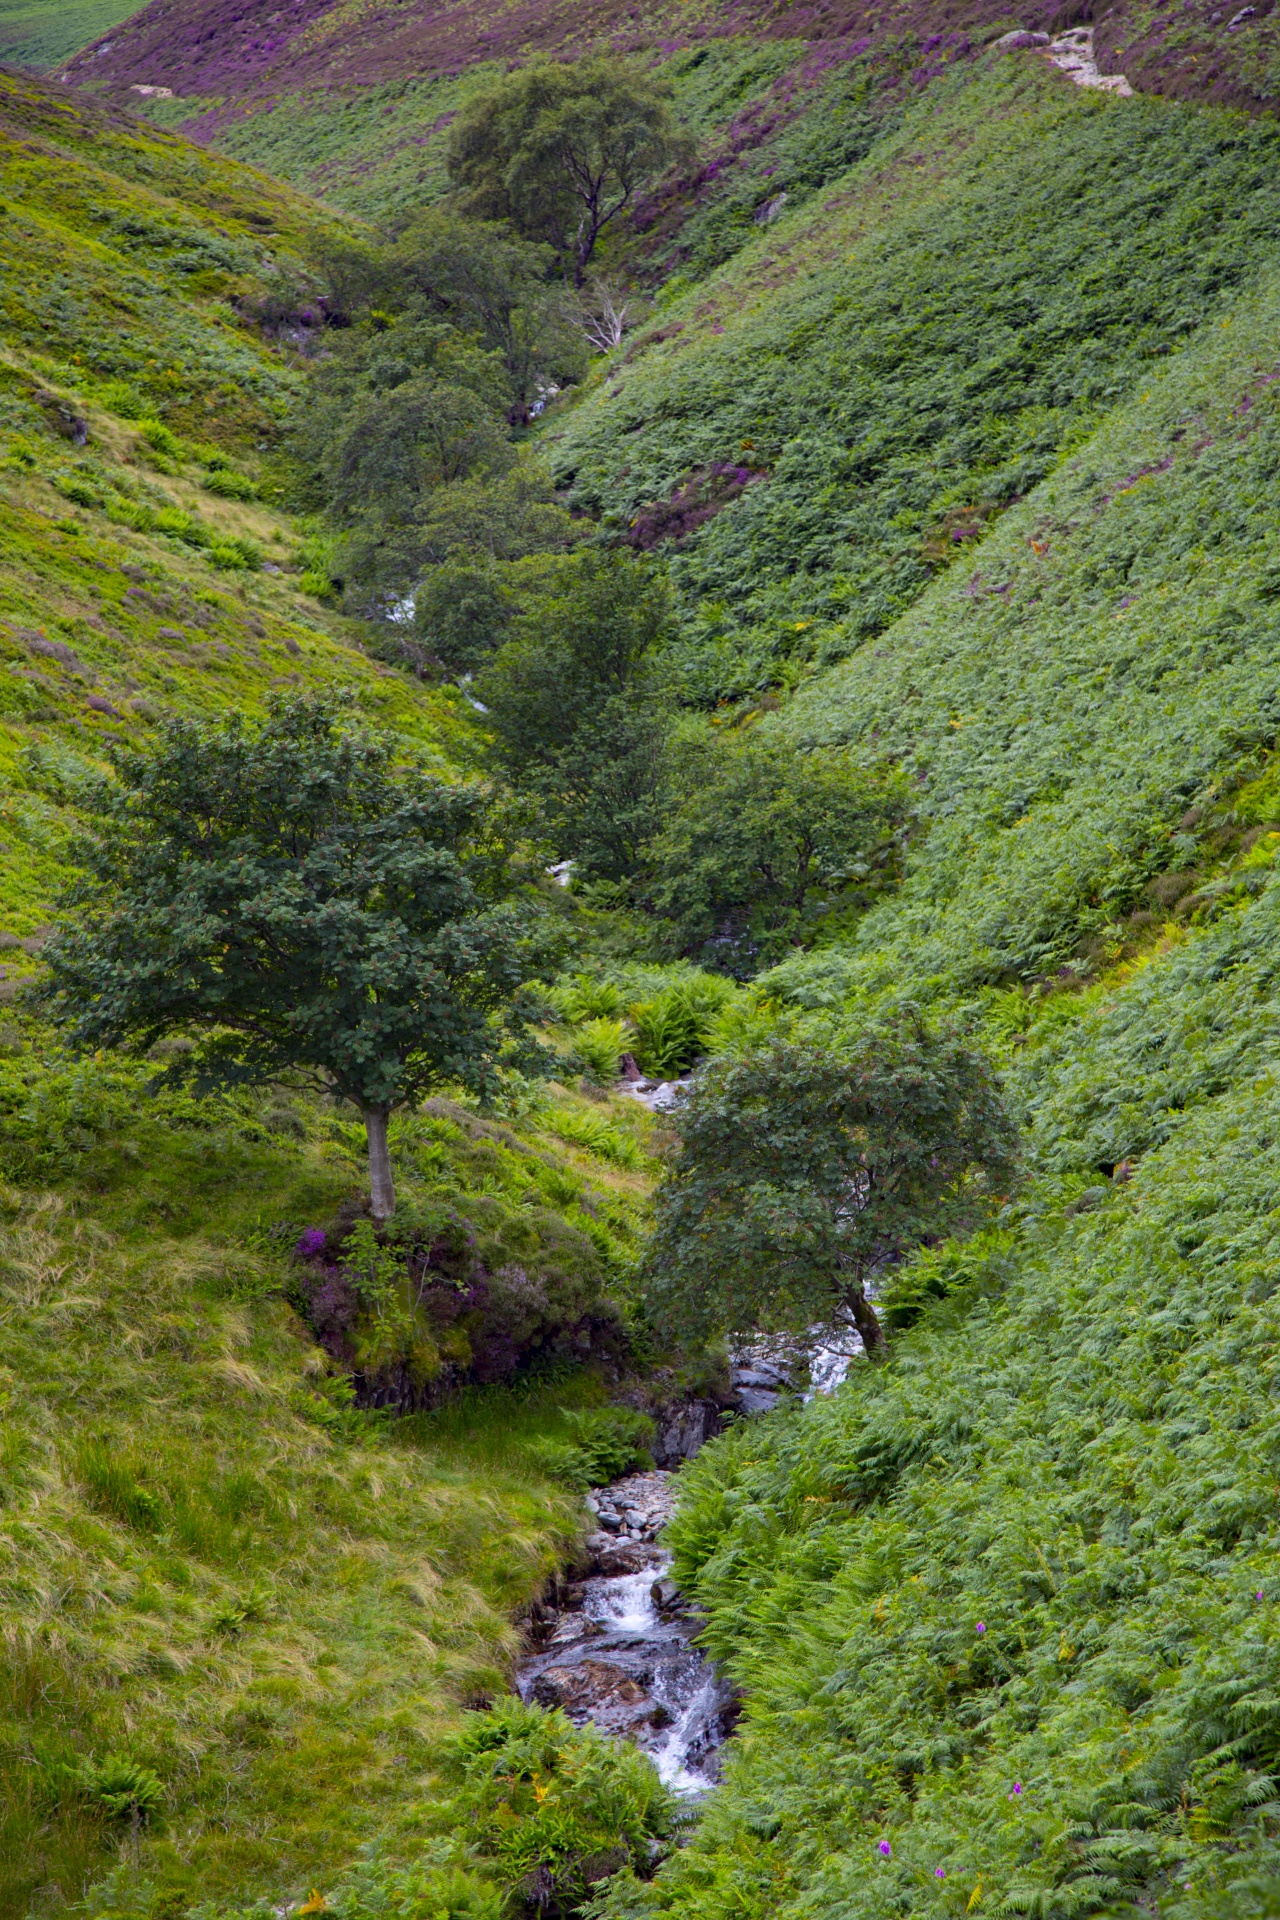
(629,1517)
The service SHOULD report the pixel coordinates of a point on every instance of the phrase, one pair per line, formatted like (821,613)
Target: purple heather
(885,1848)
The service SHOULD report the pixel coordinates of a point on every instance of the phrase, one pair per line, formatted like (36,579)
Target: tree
(305,903)
(766,845)
(802,1171)
(475,533)
(560,150)
(489,282)
(395,413)
(576,703)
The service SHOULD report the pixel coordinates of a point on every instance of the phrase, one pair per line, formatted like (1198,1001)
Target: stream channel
(617,1646)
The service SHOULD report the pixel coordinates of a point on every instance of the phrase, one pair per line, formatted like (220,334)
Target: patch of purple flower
(312,1242)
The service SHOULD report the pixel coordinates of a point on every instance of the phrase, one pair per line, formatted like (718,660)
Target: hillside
(1003,1610)
(351,101)
(227,1588)
(35,33)
(963,461)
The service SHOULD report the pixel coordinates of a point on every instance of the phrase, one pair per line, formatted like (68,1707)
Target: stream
(618,1646)
(618,1649)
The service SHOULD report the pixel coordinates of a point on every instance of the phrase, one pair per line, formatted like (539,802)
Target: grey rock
(756,1400)
(760,1374)
(683,1430)
(629,1556)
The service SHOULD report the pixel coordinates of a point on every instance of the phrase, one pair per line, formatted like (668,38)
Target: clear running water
(621,1652)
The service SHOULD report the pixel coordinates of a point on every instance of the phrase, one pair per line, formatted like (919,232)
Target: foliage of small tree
(303,903)
(397,412)
(576,703)
(478,277)
(489,282)
(561,149)
(802,1171)
(765,846)
(475,533)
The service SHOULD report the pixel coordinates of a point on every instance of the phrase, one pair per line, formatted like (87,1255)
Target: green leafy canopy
(804,1169)
(303,901)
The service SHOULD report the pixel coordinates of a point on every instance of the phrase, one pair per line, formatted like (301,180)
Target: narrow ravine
(617,1645)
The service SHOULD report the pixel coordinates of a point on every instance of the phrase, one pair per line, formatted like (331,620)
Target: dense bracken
(932,490)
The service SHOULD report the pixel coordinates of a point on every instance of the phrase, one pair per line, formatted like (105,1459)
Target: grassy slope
(1008,1605)
(905,355)
(212,1566)
(121,589)
(38,33)
(209,1566)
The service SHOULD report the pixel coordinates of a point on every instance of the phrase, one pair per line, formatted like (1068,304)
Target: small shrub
(595,1132)
(601,1044)
(120,1787)
(124,401)
(232,556)
(162,438)
(583,998)
(229,485)
(674,1025)
(606,1442)
(555,1808)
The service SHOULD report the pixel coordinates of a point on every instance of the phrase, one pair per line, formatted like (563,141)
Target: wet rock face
(616,1648)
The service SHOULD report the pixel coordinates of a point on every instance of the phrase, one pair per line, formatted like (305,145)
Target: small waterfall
(618,1648)
(620,1652)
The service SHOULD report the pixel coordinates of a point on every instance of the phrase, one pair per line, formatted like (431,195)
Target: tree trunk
(381,1186)
(869,1328)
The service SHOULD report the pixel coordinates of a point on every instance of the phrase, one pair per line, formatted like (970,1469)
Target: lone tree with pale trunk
(803,1171)
(304,903)
(561,149)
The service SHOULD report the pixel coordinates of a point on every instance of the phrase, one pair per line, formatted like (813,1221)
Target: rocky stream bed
(615,1642)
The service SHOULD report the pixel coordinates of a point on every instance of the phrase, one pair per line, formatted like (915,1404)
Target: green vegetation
(847,405)
(804,1170)
(575,711)
(934,508)
(305,905)
(37,33)
(244,1608)
(762,848)
(561,149)
(221,1572)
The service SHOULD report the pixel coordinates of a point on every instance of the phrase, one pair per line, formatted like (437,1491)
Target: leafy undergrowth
(884,372)
(1085,701)
(144,561)
(219,1570)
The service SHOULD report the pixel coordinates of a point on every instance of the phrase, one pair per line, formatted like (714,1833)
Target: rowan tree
(301,901)
(801,1171)
(560,150)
